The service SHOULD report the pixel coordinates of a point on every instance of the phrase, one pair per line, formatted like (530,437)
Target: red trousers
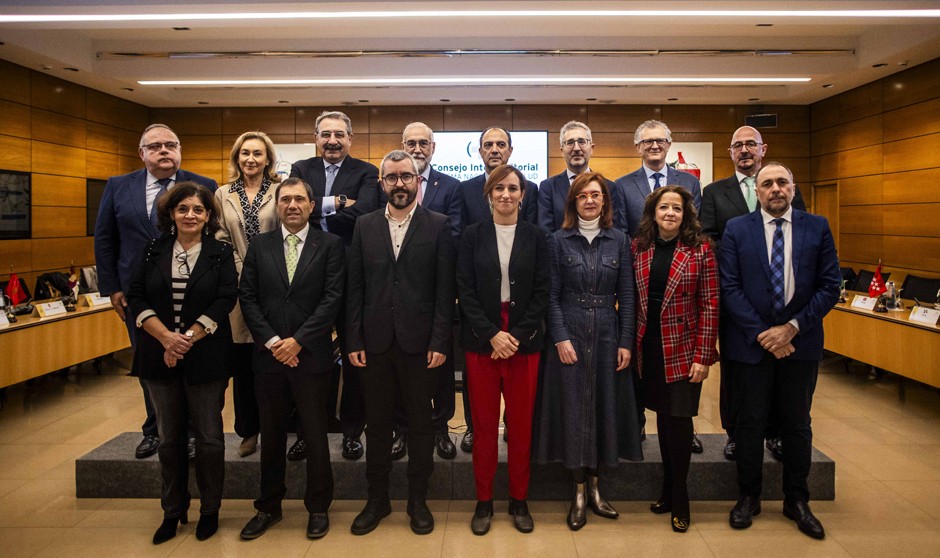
(517,379)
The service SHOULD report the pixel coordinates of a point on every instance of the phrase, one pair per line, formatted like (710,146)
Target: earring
(205,230)
(173,228)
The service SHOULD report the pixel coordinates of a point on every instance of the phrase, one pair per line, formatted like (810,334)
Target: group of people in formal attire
(581,303)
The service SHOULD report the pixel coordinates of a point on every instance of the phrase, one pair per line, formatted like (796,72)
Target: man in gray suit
(652,140)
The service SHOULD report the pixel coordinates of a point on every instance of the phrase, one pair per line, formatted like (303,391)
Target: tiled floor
(887,455)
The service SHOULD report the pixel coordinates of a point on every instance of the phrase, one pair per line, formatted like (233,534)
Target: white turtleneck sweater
(589,229)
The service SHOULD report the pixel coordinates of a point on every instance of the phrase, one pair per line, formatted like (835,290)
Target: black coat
(211,291)
(479,280)
(356,179)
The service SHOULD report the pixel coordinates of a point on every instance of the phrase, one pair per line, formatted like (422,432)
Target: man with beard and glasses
(399,322)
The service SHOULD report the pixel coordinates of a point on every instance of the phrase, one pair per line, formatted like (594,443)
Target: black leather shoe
(643,434)
(805,520)
(730,448)
(258,524)
(167,529)
(368,519)
(399,446)
(696,444)
(743,512)
(445,446)
(680,524)
(147,447)
(207,526)
(298,451)
(422,522)
(352,448)
(482,517)
(318,525)
(191,448)
(775,445)
(660,506)
(521,518)
(466,443)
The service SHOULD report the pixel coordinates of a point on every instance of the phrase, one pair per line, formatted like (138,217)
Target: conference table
(888,340)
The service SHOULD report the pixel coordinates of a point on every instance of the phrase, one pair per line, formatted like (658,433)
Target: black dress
(681,398)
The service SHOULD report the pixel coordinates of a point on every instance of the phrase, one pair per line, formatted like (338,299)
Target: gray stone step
(111,471)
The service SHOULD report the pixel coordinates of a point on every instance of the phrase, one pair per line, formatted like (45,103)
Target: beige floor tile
(636,543)
(892,462)
(870,505)
(504,541)
(922,494)
(713,516)
(9,485)
(30,461)
(115,541)
(23,543)
(46,503)
(770,544)
(873,544)
(856,431)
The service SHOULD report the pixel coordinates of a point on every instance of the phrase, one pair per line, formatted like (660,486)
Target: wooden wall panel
(778,145)
(102,165)
(270,120)
(608,144)
(57,95)
(14,119)
(306,119)
(861,219)
(862,190)
(861,247)
(392,120)
(860,162)
(790,118)
(50,158)
(547,117)
(699,118)
(102,137)
(15,153)
(55,222)
(917,84)
(858,103)
(380,144)
(922,186)
(57,253)
(621,118)
(214,168)
(16,83)
(16,253)
(201,147)
(851,135)
(188,121)
(915,219)
(912,121)
(920,253)
(477,118)
(57,128)
(58,191)
(119,113)
(912,154)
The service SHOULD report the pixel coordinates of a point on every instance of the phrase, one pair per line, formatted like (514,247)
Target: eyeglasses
(749,144)
(423,144)
(392,179)
(325,134)
(183,268)
(159,146)
(580,141)
(649,142)
(583,196)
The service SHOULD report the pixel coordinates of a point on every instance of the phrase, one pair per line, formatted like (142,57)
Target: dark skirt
(677,399)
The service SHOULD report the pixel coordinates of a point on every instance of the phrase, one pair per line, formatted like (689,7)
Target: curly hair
(180,192)
(690,230)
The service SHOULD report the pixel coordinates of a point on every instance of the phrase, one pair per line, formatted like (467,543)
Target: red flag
(14,291)
(877,285)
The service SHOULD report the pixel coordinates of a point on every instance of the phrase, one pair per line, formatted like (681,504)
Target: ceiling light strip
(540,80)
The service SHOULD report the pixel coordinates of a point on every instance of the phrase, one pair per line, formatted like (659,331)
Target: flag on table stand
(14,292)
(877,285)
(73,282)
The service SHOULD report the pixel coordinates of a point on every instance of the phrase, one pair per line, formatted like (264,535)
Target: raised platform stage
(111,471)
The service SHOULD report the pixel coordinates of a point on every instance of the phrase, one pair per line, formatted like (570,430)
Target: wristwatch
(342,200)
(190,334)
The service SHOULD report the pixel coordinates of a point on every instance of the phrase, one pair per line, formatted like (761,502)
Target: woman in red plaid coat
(677,327)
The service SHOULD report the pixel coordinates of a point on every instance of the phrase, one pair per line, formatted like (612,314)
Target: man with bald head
(723,200)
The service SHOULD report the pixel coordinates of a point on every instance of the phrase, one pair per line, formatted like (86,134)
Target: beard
(400,198)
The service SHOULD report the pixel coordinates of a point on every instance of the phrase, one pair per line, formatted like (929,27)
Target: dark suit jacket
(409,301)
(636,188)
(474,209)
(123,227)
(553,192)
(746,285)
(305,308)
(441,195)
(211,291)
(479,280)
(356,179)
(722,200)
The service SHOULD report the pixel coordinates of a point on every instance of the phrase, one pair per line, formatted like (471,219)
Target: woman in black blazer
(502,282)
(181,296)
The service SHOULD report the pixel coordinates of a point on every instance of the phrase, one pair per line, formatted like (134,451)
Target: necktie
(420,180)
(330,178)
(164,184)
(292,240)
(751,197)
(776,267)
(657,176)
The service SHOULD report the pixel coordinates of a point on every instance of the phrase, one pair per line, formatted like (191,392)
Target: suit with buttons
(355,178)
(636,187)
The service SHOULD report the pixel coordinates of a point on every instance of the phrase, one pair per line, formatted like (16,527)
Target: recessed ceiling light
(127,89)
(673,99)
(2,43)
(827,85)
(470,80)
(882,65)
(70,69)
(181,29)
(764,25)
(591,99)
(444,100)
(753,99)
(509,100)
(363,100)
(202,102)
(283,102)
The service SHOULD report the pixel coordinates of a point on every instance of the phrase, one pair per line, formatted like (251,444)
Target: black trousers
(276,393)
(726,398)
(444,401)
(675,446)
(790,383)
(247,422)
(390,377)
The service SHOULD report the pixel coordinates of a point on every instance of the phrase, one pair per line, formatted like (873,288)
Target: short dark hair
(571,202)
(395,156)
(180,192)
(774,164)
(503,130)
(293,181)
(690,230)
(499,173)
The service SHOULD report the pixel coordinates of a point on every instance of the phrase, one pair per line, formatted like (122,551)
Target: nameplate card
(864,302)
(4,322)
(48,309)
(924,315)
(95,299)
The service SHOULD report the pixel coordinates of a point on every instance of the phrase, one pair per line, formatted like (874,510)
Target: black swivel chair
(923,289)
(864,280)
(849,276)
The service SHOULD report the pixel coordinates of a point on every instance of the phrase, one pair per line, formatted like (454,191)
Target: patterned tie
(751,197)
(420,180)
(292,240)
(776,267)
(657,176)
(330,178)
(164,184)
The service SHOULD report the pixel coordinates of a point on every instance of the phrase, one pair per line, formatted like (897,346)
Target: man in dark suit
(577,146)
(652,140)
(400,313)
(291,294)
(779,278)
(437,193)
(723,200)
(344,189)
(127,222)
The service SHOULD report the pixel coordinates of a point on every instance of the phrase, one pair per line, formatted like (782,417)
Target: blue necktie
(164,184)
(330,178)
(776,267)
(657,176)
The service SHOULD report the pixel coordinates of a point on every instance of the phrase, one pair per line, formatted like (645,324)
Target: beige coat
(233,232)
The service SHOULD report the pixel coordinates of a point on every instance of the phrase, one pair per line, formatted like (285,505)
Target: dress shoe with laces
(318,525)
(147,447)
(248,446)
(399,445)
(482,517)
(697,444)
(298,451)
(167,529)
(258,524)
(742,514)
(521,518)
(466,442)
(207,526)
(730,448)
(445,446)
(422,522)
(805,520)
(368,519)
(352,448)
(775,445)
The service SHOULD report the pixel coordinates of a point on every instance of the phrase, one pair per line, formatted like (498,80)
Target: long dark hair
(571,202)
(180,192)
(690,230)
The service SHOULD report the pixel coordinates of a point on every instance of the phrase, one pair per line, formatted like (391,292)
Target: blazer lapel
(207,258)
(306,256)
(276,250)
(797,232)
(643,261)
(138,194)
(163,253)
(734,195)
(679,260)
(477,194)
(430,189)
(342,177)
(759,241)
(641,183)
(488,237)
(416,221)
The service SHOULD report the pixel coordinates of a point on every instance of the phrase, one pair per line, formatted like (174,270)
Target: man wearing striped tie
(779,277)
